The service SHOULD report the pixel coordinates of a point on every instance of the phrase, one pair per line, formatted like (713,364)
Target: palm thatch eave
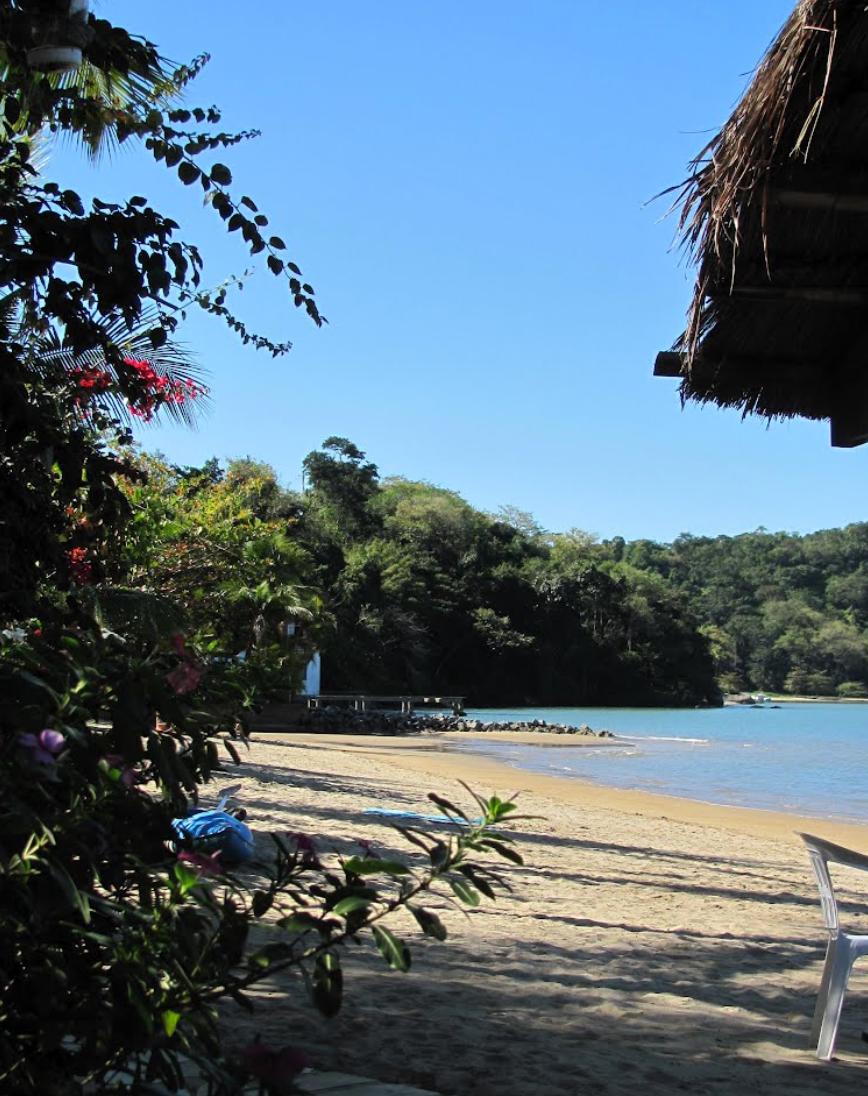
(774,214)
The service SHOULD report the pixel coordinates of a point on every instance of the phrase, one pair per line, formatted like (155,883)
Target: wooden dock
(360,702)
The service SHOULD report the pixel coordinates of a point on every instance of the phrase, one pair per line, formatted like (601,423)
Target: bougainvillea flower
(276,1068)
(80,567)
(43,747)
(205,864)
(158,389)
(179,644)
(184,678)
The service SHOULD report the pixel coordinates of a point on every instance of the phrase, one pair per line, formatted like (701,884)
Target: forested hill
(783,613)
(417,591)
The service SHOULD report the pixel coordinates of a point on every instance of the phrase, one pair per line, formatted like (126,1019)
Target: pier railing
(361,702)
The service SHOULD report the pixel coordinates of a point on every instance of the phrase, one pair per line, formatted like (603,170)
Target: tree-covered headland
(405,587)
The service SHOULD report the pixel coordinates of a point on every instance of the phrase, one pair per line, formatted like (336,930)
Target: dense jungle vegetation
(421,592)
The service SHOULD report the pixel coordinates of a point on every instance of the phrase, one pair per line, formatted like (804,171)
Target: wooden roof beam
(849,418)
(814,294)
(827,201)
(669,363)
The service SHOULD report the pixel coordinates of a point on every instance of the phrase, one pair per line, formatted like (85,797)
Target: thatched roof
(775,215)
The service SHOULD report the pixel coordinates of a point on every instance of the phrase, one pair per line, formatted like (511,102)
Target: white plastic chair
(843,949)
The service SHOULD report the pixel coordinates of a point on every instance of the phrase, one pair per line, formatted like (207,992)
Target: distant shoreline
(770,698)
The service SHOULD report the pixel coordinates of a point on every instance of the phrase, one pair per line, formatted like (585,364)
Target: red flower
(159,389)
(91,379)
(80,567)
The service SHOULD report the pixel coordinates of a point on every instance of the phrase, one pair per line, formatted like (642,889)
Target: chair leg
(830,999)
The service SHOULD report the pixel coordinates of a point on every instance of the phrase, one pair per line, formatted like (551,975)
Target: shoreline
(432,755)
(646,944)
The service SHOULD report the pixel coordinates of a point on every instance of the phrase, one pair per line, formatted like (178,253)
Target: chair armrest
(837,854)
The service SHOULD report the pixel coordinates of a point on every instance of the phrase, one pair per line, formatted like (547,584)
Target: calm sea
(802,758)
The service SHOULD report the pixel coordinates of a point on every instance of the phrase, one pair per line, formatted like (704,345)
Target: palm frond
(172,360)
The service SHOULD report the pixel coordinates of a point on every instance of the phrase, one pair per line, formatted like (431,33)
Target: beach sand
(650,944)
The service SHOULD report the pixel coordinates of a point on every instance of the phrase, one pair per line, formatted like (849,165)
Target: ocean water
(801,758)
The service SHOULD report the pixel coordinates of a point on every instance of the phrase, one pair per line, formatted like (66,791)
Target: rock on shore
(337,720)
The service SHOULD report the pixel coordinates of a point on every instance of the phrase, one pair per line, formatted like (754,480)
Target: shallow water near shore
(804,758)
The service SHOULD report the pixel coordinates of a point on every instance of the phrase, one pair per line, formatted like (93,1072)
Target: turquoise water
(802,758)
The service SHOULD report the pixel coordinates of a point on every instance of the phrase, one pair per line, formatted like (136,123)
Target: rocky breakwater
(336,720)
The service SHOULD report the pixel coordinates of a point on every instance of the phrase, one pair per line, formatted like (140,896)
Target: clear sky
(465,184)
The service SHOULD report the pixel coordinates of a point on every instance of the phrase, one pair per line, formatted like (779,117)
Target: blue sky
(465,184)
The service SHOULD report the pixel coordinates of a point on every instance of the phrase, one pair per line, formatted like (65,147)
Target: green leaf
(369,865)
(468,894)
(394,951)
(327,984)
(350,905)
(262,902)
(445,807)
(188,173)
(170,1021)
(25,675)
(221,174)
(73,895)
(502,850)
(299,923)
(429,923)
(478,880)
(185,877)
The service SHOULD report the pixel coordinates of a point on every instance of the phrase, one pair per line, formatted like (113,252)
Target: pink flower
(276,1068)
(184,678)
(44,747)
(204,864)
(179,644)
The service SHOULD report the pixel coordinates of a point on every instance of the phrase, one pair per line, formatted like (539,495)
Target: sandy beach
(650,943)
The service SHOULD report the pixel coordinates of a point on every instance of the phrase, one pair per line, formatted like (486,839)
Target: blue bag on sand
(214,830)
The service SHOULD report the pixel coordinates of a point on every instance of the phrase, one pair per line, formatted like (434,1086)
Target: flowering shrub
(113,950)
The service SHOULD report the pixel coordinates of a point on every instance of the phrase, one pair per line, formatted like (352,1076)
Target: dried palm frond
(775,121)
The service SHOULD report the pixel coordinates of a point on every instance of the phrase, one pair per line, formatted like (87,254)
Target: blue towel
(212,831)
(440,819)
